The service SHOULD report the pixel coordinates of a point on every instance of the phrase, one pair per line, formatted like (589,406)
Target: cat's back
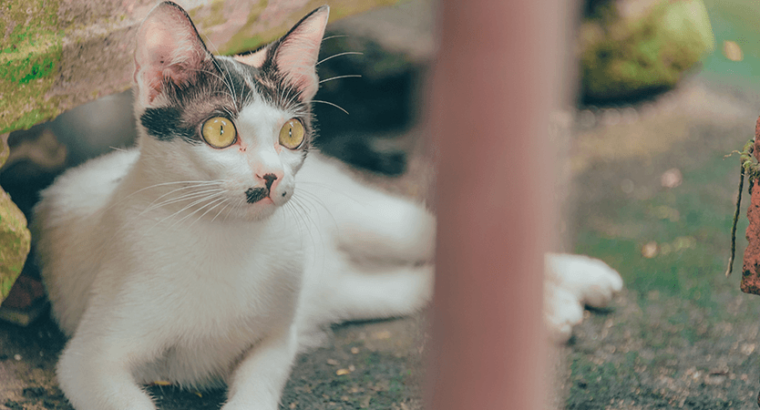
(65,226)
(85,189)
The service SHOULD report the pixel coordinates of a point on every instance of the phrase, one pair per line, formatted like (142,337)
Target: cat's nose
(268,180)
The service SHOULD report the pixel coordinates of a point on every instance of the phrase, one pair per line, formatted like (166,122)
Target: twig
(736,220)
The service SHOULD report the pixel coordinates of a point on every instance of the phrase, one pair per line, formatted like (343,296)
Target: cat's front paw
(573,281)
(562,312)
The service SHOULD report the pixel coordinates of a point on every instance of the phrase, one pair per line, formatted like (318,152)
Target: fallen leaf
(381,335)
(732,51)
(342,372)
(650,250)
(355,350)
(671,178)
(332,362)
(748,348)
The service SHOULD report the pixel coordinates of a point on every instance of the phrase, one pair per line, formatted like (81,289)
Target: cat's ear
(168,49)
(296,53)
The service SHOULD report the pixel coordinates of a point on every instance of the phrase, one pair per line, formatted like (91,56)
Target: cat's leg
(387,228)
(396,292)
(571,282)
(258,381)
(94,372)
(353,294)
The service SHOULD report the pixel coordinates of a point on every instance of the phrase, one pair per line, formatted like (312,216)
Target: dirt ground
(651,194)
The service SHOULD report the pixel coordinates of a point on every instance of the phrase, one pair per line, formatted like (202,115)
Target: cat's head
(242,124)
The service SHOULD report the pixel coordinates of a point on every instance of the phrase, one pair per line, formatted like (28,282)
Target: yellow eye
(291,134)
(219,132)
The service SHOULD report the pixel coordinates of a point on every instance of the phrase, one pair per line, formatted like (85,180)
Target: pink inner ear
(168,47)
(297,54)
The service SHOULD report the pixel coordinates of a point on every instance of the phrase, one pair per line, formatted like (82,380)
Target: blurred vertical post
(495,82)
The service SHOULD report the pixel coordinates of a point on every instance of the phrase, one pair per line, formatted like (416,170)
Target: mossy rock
(632,47)
(15,238)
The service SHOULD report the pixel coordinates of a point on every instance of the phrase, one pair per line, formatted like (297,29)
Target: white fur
(215,299)
(572,282)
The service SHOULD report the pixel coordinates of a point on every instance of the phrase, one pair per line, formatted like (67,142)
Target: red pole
(494,84)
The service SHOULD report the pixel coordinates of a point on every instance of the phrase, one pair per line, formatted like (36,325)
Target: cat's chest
(219,277)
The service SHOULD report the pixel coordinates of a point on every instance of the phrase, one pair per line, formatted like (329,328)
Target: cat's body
(229,283)
(214,251)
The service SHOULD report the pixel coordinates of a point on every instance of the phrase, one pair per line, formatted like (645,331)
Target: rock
(15,238)
(631,47)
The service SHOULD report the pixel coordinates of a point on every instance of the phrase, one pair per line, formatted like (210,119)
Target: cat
(214,251)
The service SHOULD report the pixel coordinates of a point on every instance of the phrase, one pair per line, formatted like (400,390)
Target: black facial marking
(235,83)
(269,179)
(223,87)
(254,195)
(165,123)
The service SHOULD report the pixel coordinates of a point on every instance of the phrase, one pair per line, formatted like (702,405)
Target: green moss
(624,57)
(15,238)
(30,56)
(243,41)
(215,17)
(248,38)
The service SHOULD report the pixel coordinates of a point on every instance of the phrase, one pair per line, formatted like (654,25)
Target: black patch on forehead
(217,89)
(165,123)
(235,81)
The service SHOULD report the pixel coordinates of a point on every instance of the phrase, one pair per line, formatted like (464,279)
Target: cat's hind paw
(572,282)
(592,281)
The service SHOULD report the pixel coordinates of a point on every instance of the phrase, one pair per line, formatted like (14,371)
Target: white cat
(214,251)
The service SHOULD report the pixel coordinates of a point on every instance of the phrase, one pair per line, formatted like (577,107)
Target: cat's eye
(291,134)
(219,132)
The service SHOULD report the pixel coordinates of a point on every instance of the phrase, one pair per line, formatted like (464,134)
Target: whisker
(183,197)
(347,53)
(334,36)
(185,208)
(196,183)
(329,188)
(329,103)
(221,210)
(338,77)
(217,202)
(314,200)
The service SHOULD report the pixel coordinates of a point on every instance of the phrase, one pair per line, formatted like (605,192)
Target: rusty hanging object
(750,167)
(751,266)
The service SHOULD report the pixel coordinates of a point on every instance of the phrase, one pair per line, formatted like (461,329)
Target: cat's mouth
(254,195)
